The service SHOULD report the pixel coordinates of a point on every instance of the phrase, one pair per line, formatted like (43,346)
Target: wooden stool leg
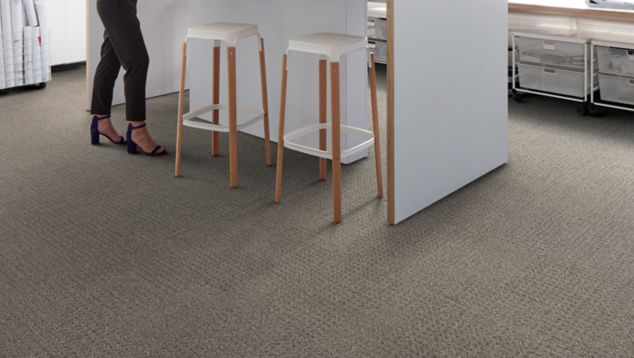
(215,145)
(233,119)
(375,125)
(280,140)
(265,105)
(336,141)
(181,111)
(323,116)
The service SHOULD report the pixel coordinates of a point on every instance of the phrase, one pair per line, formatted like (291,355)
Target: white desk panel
(450,90)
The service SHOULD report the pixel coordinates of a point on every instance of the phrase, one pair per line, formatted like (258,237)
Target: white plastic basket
(551,52)
(552,80)
(616,61)
(377,28)
(379,48)
(617,89)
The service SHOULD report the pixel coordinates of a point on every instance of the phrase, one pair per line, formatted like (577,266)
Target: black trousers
(123,46)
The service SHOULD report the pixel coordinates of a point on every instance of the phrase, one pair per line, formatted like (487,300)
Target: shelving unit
(24,44)
(554,66)
(615,62)
(377,30)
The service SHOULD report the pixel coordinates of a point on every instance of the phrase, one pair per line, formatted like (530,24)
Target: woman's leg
(103,86)
(126,38)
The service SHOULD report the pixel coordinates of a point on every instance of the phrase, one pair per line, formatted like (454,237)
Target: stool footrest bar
(315,128)
(191,119)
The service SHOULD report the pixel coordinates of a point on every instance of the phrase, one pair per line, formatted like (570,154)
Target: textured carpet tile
(103,254)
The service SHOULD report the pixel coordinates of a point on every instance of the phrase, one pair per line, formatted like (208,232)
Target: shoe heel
(132,147)
(94,132)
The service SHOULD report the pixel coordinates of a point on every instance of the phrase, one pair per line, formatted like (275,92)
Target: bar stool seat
(226,32)
(229,34)
(331,45)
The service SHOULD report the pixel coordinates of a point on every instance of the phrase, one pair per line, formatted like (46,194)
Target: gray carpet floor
(107,255)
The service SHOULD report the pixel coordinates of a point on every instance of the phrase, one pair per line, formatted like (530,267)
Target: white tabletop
(574,8)
(571,4)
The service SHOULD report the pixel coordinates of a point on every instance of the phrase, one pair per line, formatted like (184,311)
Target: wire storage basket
(615,62)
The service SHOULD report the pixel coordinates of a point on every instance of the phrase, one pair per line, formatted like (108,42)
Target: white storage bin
(617,89)
(550,52)
(380,50)
(616,61)
(552,80)
(377,28)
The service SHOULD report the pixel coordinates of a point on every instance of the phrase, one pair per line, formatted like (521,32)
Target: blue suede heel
(94,132)
(133,148)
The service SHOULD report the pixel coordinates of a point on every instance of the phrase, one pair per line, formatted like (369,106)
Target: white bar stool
(230,34)
(331,47)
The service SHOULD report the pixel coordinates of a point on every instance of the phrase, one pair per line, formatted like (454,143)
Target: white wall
(450,116)
(164,24)
(67,26)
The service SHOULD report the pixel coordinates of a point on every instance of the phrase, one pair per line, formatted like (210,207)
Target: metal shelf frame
(593,98)
(588,72)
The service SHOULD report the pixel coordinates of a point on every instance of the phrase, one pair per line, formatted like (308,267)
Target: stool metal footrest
(315,128)
(191,119)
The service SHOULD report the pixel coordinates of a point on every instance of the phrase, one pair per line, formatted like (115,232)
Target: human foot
(139,136)
(102,125)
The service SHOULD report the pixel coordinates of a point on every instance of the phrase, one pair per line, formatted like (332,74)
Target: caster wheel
(518,97)
(4,92)
(587,109)
(593,111)
(583,110)
(40,85)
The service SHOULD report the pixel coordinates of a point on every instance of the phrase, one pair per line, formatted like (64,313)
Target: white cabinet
(67,21)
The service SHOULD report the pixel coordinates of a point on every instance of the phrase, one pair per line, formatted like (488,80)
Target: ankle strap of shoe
(102,117)
(139,127)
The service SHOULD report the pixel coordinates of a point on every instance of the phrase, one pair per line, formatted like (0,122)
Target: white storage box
(552,80)
(550,52)
(617,89)
(380,50)
(616,61)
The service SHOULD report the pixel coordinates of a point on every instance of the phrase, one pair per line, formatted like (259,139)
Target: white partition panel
(279,20)
(164,24)
(67,26)
(450,98)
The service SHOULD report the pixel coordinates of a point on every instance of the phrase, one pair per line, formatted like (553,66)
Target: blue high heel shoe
(133,148)
(94,132)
